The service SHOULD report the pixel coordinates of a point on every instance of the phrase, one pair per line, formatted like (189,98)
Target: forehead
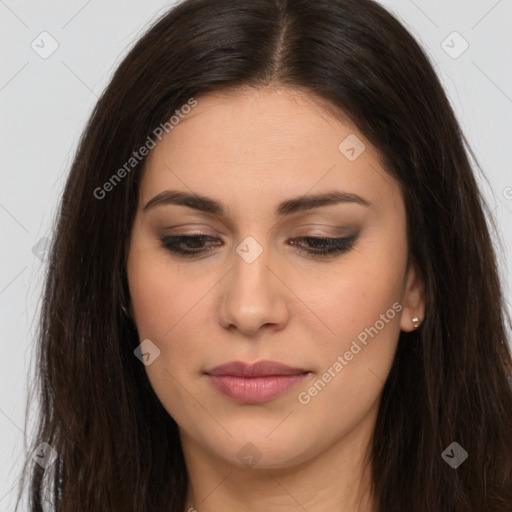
(263,144)
(267,124)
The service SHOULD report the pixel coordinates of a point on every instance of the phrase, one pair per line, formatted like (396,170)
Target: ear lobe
(413,300)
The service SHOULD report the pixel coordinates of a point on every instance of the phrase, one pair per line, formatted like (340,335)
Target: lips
(259,369)
(254,383)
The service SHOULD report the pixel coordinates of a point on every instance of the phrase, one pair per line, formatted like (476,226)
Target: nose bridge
(251,263)
(254,296)
(251,273)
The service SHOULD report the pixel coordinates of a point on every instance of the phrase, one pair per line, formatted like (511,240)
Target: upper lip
(259,369)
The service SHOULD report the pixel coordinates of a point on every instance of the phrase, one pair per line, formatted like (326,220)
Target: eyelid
(303,230)
(338,233)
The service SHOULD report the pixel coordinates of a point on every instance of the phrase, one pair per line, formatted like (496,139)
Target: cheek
(169,310)
(361,305)
(164,312)
(358,293)
(364,320)
(159,297)
(364,314)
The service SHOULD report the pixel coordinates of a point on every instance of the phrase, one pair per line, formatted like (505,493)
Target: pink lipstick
(254,383)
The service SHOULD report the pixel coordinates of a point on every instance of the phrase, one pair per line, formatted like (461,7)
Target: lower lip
(255,389)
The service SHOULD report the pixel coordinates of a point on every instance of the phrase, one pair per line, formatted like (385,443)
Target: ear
(413,299)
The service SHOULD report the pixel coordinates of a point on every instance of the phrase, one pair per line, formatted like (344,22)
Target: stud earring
(416,322)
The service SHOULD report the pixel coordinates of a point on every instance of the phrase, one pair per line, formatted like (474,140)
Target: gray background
(45,103)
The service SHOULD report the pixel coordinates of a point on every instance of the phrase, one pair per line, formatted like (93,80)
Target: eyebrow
(288,207)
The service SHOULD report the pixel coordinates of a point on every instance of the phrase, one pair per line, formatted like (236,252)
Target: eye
(175,244)
(192,246)
(323,247)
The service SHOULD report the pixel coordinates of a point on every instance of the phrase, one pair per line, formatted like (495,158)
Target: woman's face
(253,292)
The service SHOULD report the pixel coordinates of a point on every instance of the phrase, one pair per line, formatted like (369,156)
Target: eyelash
(334,245)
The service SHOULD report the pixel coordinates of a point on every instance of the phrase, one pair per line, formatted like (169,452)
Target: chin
(261,452)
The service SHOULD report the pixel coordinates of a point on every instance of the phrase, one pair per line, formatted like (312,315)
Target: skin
(250,150)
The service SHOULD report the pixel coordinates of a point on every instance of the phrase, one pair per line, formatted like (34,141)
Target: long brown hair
(116,447)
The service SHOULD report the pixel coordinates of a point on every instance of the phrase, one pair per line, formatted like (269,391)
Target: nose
(255,295)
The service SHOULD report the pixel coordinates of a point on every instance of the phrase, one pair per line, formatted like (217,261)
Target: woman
(272,284)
